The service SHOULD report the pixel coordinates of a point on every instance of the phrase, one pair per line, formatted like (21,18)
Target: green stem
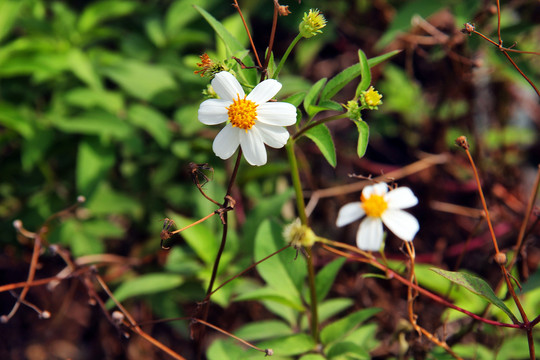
(318,122)
(301,208)
(300,205)
(286,55)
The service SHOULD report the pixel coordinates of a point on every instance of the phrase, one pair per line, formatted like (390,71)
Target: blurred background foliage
(99,98)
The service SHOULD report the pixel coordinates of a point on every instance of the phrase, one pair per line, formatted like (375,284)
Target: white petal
(401,198)
(226,142)
(264,91)
(277,113)
(401,223)
(273,136)
(227,87)
(253,146)
(214,111)
(378,189)
(349,213)
(370,234)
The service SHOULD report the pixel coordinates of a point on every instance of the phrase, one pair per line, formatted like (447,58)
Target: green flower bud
(312,23)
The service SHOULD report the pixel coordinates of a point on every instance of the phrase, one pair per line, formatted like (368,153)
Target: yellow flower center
(372,97)
(242,113)
(374,206)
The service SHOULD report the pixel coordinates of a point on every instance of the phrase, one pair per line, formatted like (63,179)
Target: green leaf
(105,201)
(266,329)
(93,161)
(94,122)
(152,121)
(199,238)
(296,99)
(325,278)
(180,13)
(230,41)
(330,105)
(141,80)
(290,345)
(363,137)
(381,58)
(311,97)
(15,119)
(87,98)
(83,68)
(364,72)
(155,32)
(101,11)
(225,350)
(144,285)
(321,136)
(270,293)
(9,10)
(327,309)
(276,271)
(346,350)
(340,328)
(477,286)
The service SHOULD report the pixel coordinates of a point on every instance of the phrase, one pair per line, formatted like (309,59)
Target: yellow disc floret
(374,206)
(371,98)
(242,113)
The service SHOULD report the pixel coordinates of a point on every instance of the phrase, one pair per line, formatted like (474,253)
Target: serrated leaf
(325,278)
(152,121)
(477,286)
(363,137)
(365,74)
(146,284)
(342,327)
(311,97)
(321,136)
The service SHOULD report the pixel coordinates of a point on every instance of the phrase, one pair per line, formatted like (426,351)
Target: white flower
(381,206)
(252,121)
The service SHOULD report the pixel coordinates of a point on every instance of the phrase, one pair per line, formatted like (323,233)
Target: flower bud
(299,235)
(371,98)
(312,23)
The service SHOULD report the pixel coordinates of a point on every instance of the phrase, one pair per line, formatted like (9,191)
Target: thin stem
(526,219)
(499,22)
(286,55)
(247,32)
(270,42)
(313,296)
(521,72)
(318,122)
(300,204)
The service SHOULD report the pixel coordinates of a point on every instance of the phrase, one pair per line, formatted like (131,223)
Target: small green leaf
(106,201)
(346,350)
(93,161)
(311,97)
(266,329)
(477,286)
(365,72)
(290,345)
(152,121)
(340,328)
(363,137)
(94,122)
(339,81)
(225,349)
(199,238)
(272,294)
(274,270)
(180,13)
(325,278)
(381,58)
(146,284)
(330,105)
(9,11)
(321,136)
(155,32)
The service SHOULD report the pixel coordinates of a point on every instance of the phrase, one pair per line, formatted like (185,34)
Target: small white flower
(252,121)
(380,206)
